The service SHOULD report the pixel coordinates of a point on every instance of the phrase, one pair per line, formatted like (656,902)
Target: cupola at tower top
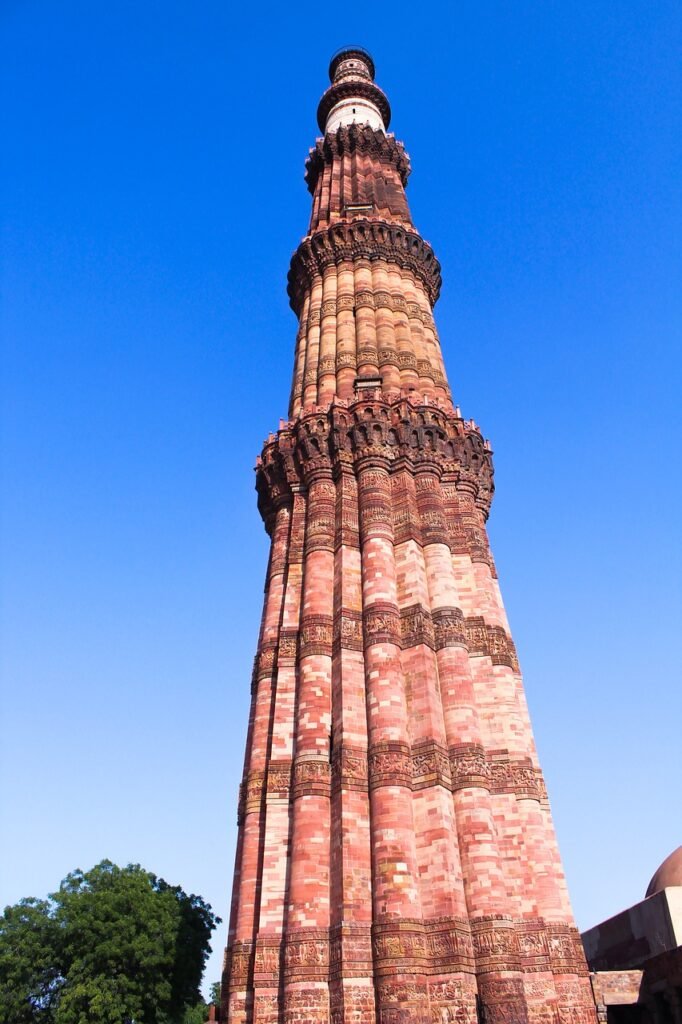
(353,97)
(351,61)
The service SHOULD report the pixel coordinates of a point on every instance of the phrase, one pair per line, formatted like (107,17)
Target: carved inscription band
(383,623)
(364,299)
(394,764)
(450,944)
(316,635)
(497,771)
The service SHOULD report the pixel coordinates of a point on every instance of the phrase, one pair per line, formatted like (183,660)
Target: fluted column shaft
(245,902)
(396,898)
(352,970)
(306,992)
(396,859)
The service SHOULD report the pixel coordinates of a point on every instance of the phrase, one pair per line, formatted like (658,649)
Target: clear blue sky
(152,195)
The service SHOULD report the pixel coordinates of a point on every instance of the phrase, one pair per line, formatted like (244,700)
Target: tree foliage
(112,946)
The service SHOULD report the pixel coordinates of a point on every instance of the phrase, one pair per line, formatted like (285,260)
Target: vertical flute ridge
(396,858)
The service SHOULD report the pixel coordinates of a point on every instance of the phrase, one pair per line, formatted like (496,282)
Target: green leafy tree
(112,946)
(30,974)
(196,1014)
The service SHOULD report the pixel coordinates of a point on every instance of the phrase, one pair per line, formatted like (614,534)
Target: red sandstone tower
(396,861)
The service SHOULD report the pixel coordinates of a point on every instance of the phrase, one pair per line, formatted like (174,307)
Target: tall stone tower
(396,859)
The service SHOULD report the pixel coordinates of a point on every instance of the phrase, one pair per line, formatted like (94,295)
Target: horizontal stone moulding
(391,763)
(394,433)
(482,945)
(347,242)
(381,624)
(356,138)
(311,778)
(497,771)
(316,635)
(353,89)
(364,299)
(384,623)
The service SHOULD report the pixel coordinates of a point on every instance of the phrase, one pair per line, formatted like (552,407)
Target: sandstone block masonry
(396,860)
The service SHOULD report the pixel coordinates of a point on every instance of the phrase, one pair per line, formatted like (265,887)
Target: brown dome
(669,873)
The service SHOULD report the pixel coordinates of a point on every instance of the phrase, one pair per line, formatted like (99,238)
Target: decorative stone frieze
(513,775)
(355,138)
(407,361)
(496,943)
(449,946)
(430,766)
(265,659)
(389,764)
(381,624)
(278,779)
(492,641)
(449,628)
(533,945)
(348,242)
(348,633)
(416,627)
(316,635)
(393,820)
(387,357)
(288,647)
(238,961)
(311,777)
(399,945)
(566,949)
(251,792)
(306,954)
(349,768)
(266,961)
(469,766)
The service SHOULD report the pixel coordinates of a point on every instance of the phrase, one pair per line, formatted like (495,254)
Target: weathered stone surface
(396,863)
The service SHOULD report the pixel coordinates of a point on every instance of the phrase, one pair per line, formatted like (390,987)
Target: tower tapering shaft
(396,860)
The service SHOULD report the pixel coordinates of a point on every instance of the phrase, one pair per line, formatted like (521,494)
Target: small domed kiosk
(636,957)
(669,874)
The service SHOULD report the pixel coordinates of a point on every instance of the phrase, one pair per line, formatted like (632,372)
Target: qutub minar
(396,859)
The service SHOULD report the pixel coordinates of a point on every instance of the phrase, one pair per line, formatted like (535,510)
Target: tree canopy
(112,946)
